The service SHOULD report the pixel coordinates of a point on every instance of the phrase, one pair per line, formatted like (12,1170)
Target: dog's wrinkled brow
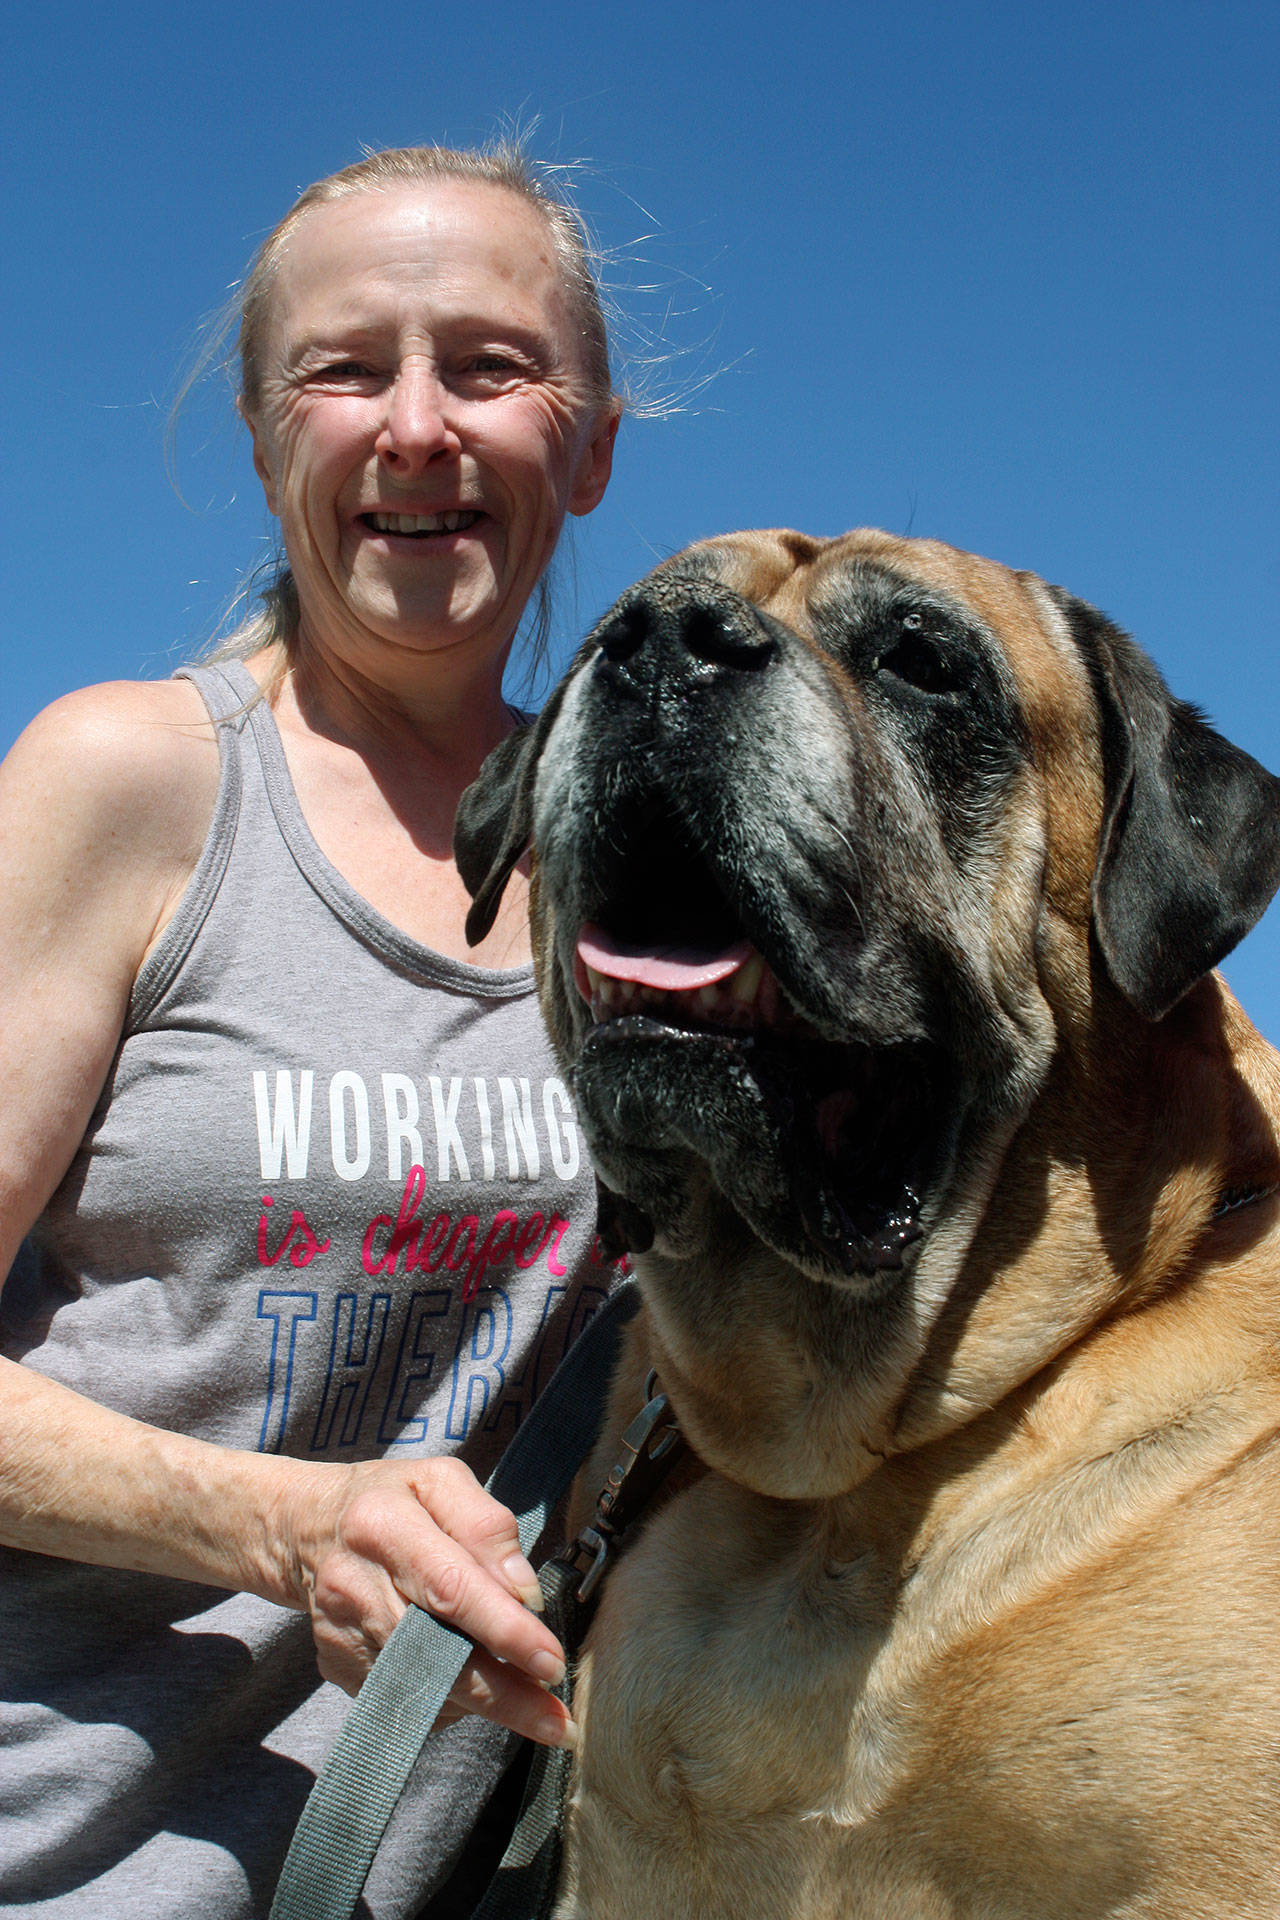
(864,589)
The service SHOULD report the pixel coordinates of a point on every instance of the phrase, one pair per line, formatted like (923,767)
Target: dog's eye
(920,662)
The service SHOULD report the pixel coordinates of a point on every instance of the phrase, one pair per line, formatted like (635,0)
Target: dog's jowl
(877,895)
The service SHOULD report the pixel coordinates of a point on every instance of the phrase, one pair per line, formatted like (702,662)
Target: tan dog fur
(993,1634)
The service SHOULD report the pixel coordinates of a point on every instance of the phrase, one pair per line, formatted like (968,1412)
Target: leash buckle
(649,1448)
(591,1541)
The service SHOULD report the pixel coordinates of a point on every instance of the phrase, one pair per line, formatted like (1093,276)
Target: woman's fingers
(425,1532)
(450,1583)
(451,1548)
(497,1692)
(355,1608)
(464,1511)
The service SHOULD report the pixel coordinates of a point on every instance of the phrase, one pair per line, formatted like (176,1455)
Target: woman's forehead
(446,241)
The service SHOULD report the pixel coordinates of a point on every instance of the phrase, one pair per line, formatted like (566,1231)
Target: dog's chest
(776,1730)
(732,1720)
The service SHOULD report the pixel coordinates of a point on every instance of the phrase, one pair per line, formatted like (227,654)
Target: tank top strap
(226,698)
(228,690)
(235,702)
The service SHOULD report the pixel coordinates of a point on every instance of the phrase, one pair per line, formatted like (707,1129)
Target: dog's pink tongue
(672,969)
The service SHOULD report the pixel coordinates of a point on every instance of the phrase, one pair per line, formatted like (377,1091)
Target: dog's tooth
(745,983)
(593,979)
(607,989)
(707,997)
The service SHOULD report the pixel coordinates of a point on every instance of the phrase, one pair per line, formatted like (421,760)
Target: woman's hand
(365,1541)
(351,1545)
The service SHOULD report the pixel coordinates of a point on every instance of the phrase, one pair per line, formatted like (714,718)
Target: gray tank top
(333,1201)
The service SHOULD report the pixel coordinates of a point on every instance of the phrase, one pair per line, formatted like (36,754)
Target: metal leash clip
(650,1446)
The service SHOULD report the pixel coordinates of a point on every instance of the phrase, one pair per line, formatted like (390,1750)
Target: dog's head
(834,840)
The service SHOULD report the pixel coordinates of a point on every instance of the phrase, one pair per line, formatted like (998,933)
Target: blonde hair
(274,623)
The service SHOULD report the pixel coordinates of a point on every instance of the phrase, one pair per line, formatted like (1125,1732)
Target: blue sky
(1003,275)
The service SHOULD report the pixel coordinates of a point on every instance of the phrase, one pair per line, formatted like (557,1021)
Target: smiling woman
(422,419)
(224,895)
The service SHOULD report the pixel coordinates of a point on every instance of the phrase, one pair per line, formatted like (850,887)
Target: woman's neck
(378,777)
(392,703)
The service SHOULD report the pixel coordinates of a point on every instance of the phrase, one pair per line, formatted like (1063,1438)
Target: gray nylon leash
(526,1883)
(524,1886)
(353,1798)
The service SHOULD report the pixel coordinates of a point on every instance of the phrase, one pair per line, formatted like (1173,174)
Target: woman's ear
(261,465)
(595,462)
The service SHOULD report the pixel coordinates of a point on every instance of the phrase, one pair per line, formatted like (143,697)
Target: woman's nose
(418,426)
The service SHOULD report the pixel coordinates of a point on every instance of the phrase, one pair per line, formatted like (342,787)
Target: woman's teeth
(421,522)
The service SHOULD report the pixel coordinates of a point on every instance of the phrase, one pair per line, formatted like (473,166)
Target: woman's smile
(416,526)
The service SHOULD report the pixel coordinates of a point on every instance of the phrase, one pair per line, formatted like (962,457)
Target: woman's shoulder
(109,714)
(121,730)
(126,771)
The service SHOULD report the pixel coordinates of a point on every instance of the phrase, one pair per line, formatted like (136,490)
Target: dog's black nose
(687,624)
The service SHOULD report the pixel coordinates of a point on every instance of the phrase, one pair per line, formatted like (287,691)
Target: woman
(312,1222)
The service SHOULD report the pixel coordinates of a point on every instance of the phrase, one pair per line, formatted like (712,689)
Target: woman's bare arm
(104,806)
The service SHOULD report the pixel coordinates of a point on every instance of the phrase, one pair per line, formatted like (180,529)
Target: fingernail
(545,1667)
(560,1732)
(525,1581)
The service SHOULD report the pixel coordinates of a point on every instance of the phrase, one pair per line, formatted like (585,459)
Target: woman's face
(424,422)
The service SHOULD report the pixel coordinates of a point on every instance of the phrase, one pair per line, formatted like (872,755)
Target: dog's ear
(1189,853)
(494,821)
(492,827)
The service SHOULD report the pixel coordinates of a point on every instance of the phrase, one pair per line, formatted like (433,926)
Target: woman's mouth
(456,520)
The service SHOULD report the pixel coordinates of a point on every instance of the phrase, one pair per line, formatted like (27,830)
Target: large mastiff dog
(878,890)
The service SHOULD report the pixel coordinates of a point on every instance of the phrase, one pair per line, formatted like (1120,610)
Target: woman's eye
(490,367)
(340,373)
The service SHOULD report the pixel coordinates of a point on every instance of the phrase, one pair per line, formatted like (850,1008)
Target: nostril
(625,633)
(712,634)
(668,628)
